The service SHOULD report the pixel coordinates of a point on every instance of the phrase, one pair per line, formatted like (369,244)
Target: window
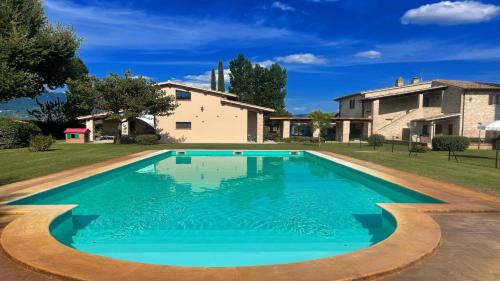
(439,129)
(352,104)
(182,95)
(450,129)
(494,99)
(72,136)
(427,101)
(183,125)
(425,130)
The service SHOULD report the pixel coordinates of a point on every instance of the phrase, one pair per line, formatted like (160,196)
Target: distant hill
(18,107)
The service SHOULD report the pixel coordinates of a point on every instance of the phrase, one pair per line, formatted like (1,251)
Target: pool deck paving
(470,250)
(450,241)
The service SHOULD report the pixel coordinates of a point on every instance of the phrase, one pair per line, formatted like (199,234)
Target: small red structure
(77,135)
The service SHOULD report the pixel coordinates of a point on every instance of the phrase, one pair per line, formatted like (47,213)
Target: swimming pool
(225,208)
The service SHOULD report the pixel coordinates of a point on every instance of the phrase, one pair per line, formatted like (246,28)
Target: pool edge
(27,240)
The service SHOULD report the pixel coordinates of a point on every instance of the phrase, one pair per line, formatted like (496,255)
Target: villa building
(422,110)
(203,116)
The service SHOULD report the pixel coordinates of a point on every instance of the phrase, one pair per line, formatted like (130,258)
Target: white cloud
(202,80)
(282,6)
(304,58)
(372,54)
(266,63)
(451,13)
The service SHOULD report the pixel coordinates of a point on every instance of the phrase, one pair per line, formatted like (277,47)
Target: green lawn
(475,170)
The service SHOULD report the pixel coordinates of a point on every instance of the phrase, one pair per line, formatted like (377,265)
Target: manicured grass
(475,170)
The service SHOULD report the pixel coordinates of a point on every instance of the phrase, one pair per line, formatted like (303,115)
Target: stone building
(422,110)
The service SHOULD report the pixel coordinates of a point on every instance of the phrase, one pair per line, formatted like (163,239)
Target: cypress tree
(220,79)
(213,84)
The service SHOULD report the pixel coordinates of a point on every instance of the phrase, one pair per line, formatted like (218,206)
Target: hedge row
(146,139)
(14,133)
(450,143)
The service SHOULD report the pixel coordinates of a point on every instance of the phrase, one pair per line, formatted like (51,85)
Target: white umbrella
(495,126)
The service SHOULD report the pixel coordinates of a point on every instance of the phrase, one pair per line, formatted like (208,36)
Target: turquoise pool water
(214,208)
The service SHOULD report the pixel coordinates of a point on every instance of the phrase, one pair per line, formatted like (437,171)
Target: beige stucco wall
(477,109)
(216,123)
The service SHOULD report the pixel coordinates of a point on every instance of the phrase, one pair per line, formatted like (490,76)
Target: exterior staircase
(400,121)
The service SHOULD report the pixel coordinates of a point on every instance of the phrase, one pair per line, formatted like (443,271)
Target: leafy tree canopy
(34,55)
(258,85)
(320,121)
(241,78)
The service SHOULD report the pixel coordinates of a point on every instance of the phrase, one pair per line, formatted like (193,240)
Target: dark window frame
(181,95)
(494,99)
(439,129)
(177,127)
(352,104)
(427,102)
(425,130)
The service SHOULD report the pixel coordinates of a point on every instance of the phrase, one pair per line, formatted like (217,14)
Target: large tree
(34,55)
(213,83)
(220,78)
(241,78)
(259,85)
(122,97)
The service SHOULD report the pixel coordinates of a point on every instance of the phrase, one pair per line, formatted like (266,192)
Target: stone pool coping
(28,241)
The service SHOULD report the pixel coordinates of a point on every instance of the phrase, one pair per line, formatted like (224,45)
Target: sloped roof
(471,85)
(406,93)
(389,90)
(247,105)
(438,117)
(190,87)
(76,131)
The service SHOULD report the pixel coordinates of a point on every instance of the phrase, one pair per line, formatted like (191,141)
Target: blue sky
(330,48)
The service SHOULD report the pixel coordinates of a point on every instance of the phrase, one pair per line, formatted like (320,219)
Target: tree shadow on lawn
(475,157)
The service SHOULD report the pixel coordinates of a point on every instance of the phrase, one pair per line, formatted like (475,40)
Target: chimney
(415,80)
(399,82)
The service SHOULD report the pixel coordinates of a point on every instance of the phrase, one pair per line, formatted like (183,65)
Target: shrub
(127,140)
(41,143)
(450,143)
(376,140)
(146,139)
(15,133)
(418,148)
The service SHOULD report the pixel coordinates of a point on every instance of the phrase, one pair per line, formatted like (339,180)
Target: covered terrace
(342,129)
